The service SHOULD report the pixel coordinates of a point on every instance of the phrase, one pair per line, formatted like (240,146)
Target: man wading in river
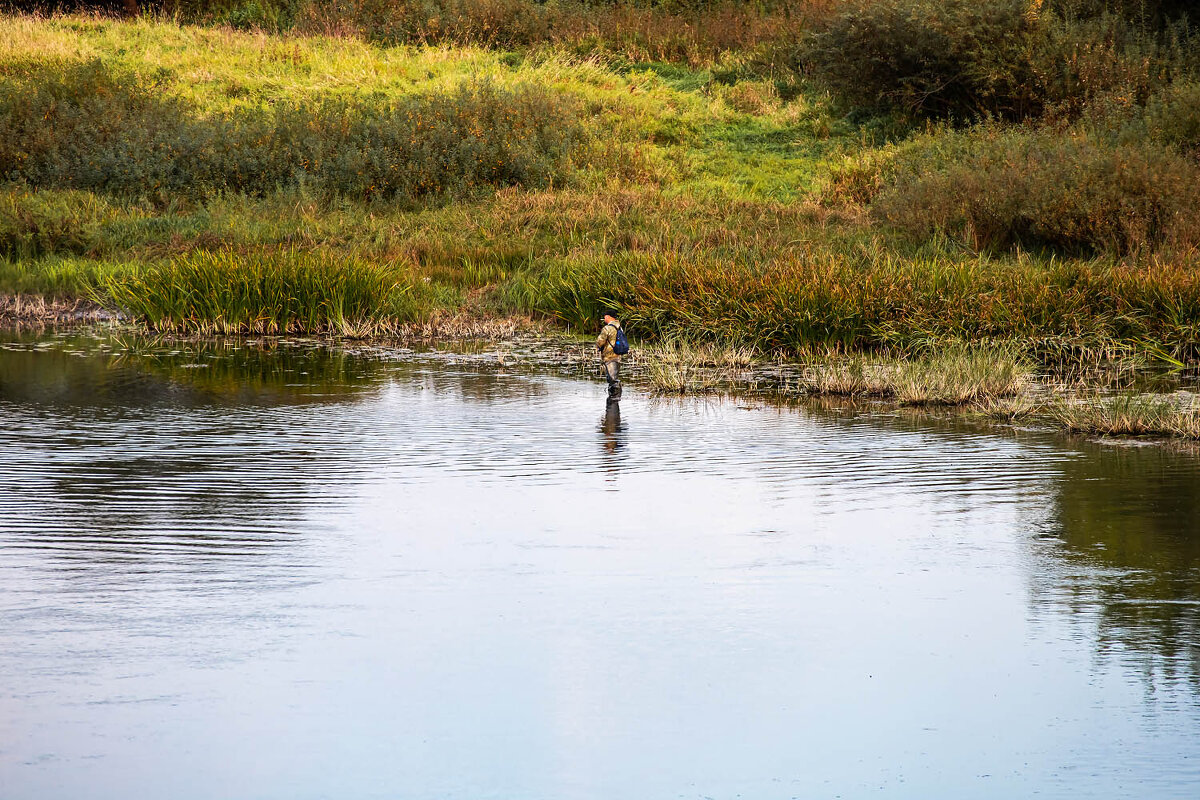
(612,345)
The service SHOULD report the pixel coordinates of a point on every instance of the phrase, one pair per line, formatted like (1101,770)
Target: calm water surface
(229,572)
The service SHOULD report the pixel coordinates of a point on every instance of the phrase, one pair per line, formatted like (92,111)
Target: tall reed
(678,366)
(857,298)
(286,291)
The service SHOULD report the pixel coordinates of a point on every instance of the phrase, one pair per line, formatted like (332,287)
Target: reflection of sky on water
(297,574)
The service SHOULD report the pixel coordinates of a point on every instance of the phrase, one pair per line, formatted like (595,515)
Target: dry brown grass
(464,327)
(38,309)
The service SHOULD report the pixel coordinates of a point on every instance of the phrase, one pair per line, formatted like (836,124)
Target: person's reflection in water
(612,435)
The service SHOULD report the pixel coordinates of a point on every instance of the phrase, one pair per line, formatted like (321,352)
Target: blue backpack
(621,345)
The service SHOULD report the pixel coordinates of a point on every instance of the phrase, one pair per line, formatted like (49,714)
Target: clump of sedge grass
(958,374)
(848,375)
(284,291)
(680,366)
(1011,409)
(1131,415)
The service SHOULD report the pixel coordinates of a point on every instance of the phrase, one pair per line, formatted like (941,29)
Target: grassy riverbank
(349,173)
(993,383)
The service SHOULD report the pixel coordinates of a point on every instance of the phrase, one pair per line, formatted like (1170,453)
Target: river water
(230,571)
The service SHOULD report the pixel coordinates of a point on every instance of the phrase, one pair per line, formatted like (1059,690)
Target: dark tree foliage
(1148,11)
(1010,59)
(128,7)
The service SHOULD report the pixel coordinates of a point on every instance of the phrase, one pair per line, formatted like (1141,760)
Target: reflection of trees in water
(1127,540)
(472,384)
(126,455)
(90,371)
(134,455)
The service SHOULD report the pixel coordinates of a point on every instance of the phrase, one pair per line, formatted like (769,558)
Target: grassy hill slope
(190,174)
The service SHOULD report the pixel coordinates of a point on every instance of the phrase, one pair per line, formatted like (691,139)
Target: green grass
(60,277)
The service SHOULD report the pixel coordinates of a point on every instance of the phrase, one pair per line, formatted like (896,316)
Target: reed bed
(771,275)
(225,292)
(953,374)
(857,299)
(1131,415)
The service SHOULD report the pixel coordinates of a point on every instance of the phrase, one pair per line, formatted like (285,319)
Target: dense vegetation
(83,126)
(792,175)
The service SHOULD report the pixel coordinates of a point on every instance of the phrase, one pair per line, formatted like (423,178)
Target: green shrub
(997,188)
(1144,11)
(34,224)
(1076,60)
(1014,59)
(1173,115)
(69,125)
(955,58)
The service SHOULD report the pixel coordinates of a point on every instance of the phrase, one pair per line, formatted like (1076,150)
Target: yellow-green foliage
(759,36)
(34,224)
(81,125)
(682,195)
(1173,115)
(68,278)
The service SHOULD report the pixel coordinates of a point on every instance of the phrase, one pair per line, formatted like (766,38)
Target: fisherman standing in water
(612,345)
